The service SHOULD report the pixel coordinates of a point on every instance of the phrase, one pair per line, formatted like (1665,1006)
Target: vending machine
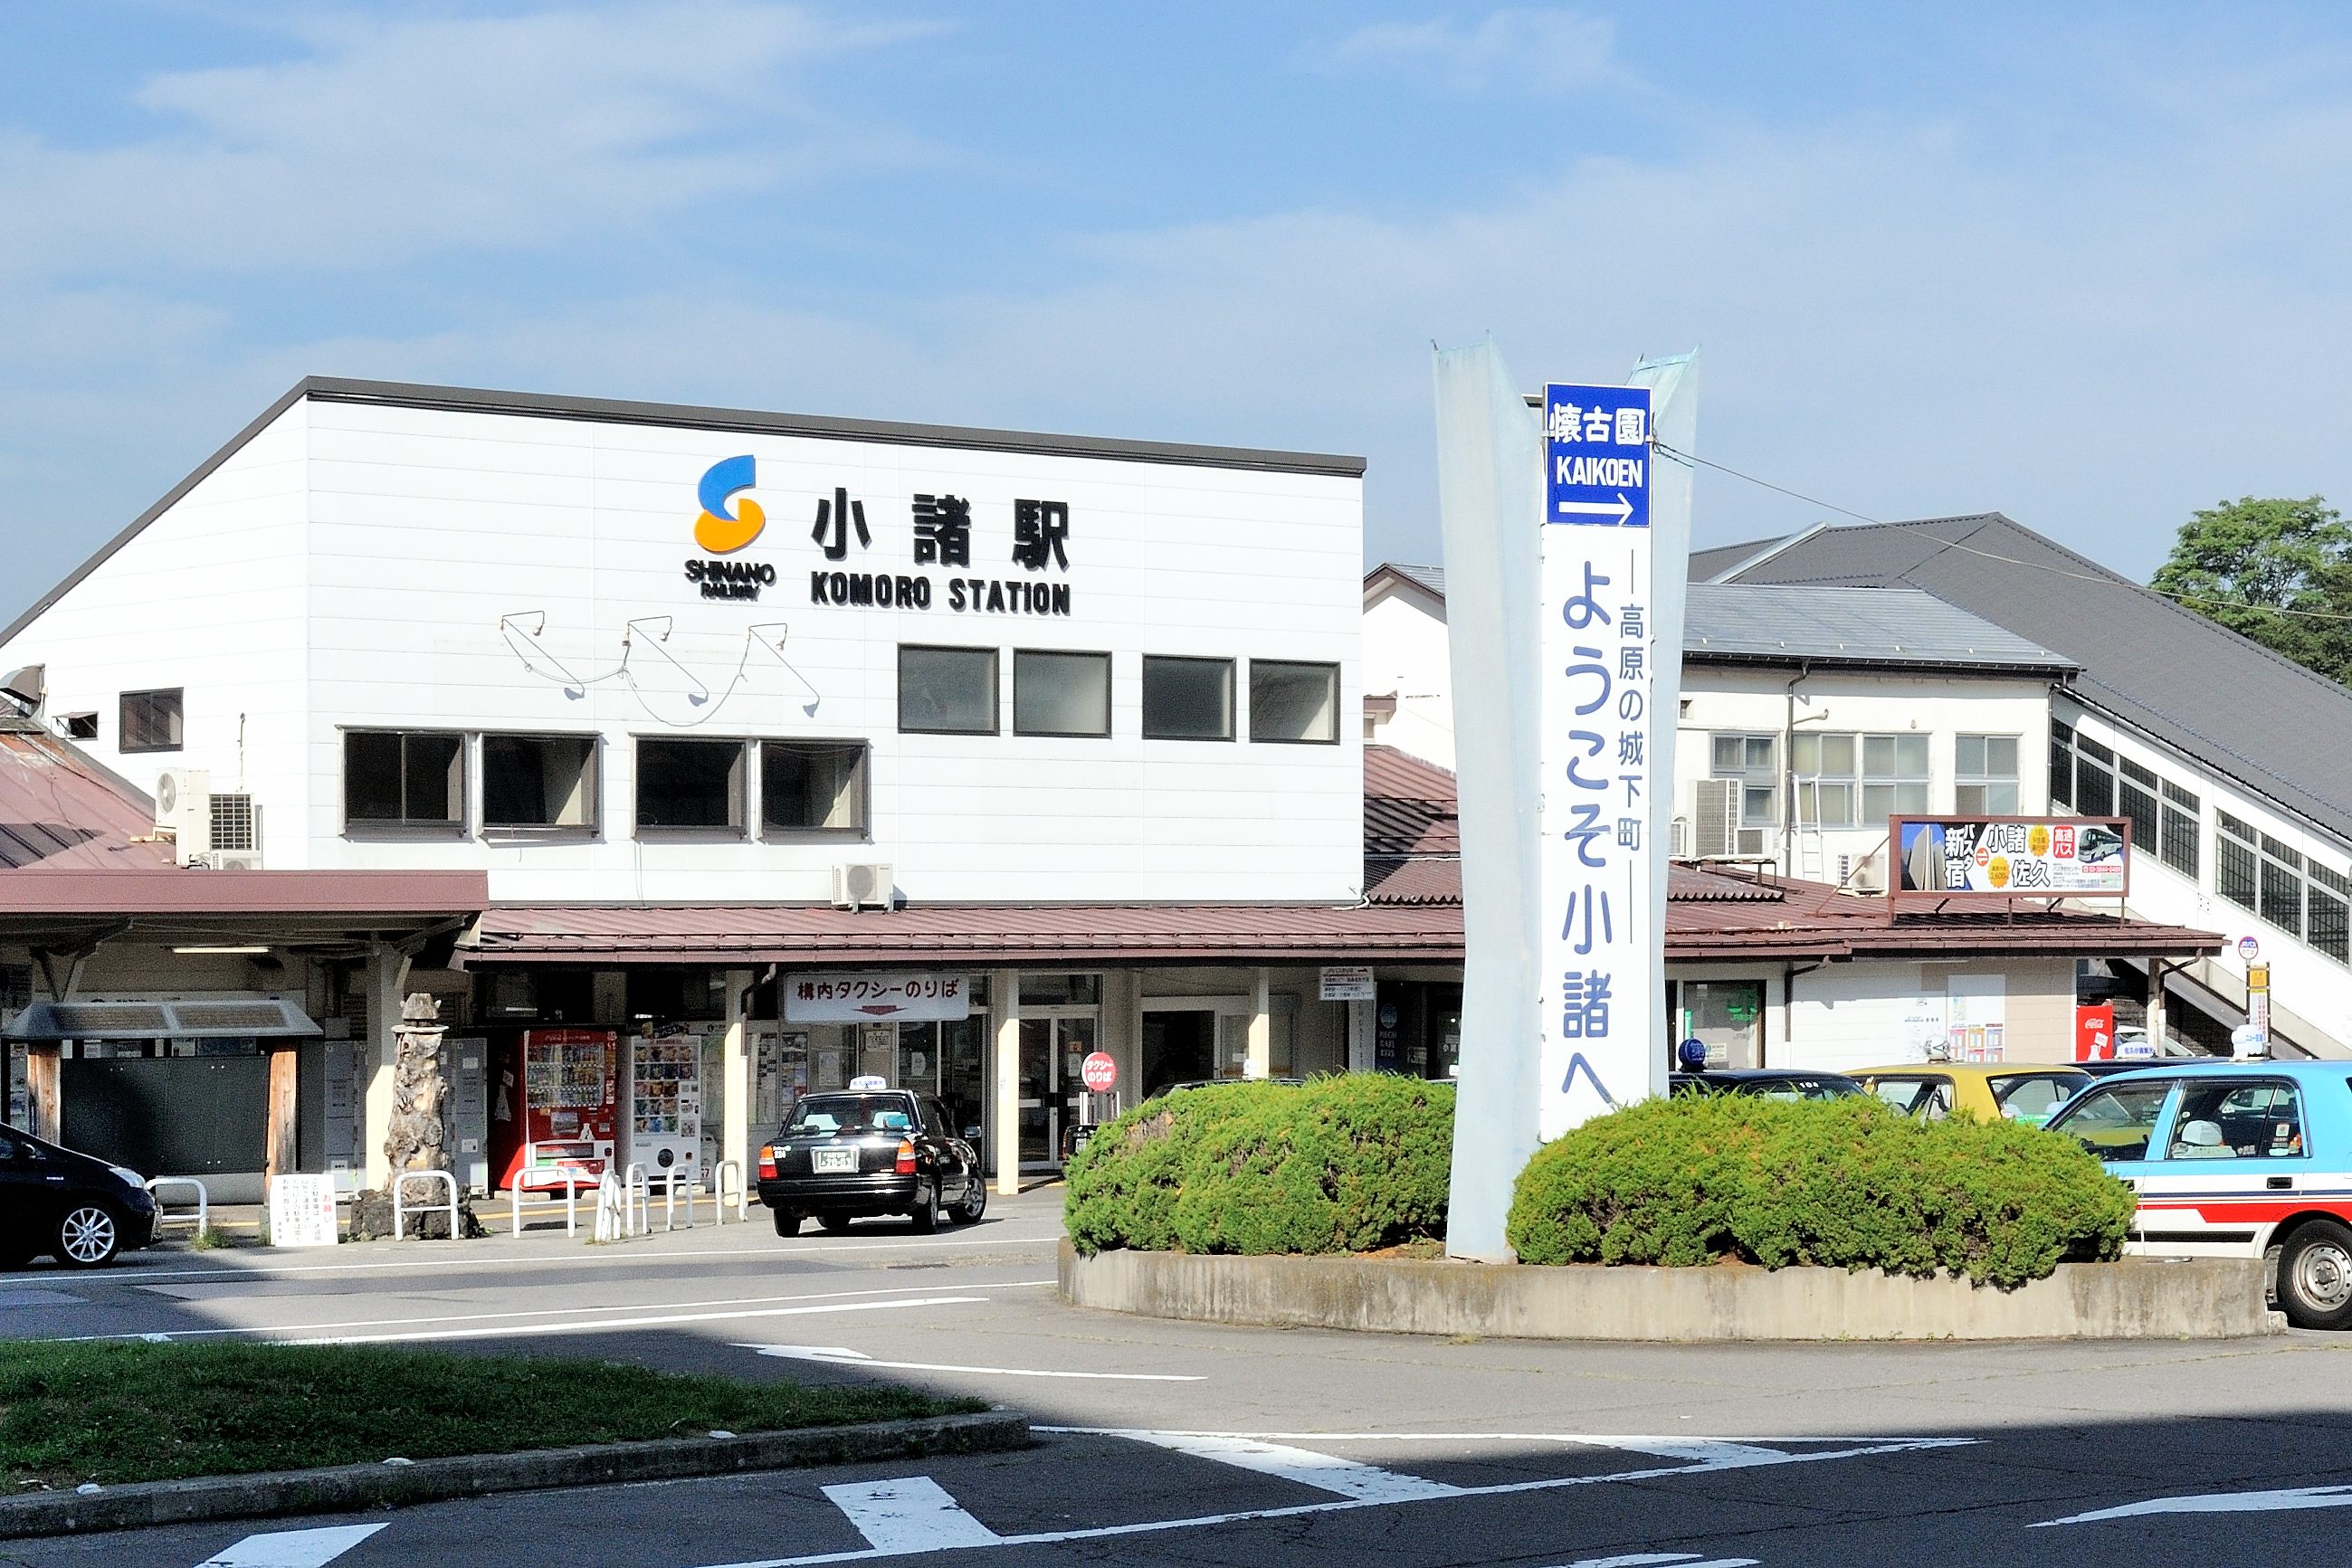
(556,1108)
(665,1096)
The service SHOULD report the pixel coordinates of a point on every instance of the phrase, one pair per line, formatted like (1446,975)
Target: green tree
(2245,562)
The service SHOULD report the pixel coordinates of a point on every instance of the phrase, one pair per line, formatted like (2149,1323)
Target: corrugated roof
(61,810)
(1432,578)
(2263,721)
(1408,805)
(1883,627)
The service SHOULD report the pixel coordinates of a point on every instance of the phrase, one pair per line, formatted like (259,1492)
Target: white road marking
(1715,1455)
(606,1325)
(1688,1559)
(841,1355)
(2218,1502)
(533,1312)
(1855,1449)
(912,1514)
(227,1270)
(292,1548)
(1327,1472)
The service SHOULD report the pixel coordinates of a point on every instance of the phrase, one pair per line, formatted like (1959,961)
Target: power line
(1690,459)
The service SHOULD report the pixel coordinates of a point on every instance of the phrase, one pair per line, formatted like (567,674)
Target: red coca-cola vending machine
(558,1109)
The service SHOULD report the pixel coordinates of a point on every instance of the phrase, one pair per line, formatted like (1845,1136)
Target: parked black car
(57,1203)
(1772,1083)
(843,1157)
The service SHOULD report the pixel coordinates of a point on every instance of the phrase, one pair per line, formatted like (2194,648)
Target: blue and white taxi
(2236,1159)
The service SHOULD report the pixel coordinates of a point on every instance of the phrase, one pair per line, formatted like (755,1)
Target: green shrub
(1845,1184)
(1339,1165)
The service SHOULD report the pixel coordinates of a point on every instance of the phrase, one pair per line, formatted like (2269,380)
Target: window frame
(592,770)
(1811,785)
(1984,778)
(1896,780)
(738,830)
(1339,726)
(1748,776)
(861,831)
(1232,696)
(179,725)
(80,725)
(1109,677)
(995,687)
(459,826)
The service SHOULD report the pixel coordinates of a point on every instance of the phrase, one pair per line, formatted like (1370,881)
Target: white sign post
(302,1211)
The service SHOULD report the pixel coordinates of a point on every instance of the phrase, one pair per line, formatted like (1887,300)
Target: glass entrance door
(1041,1120)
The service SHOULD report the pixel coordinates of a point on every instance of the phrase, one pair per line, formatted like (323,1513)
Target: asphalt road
(1182,1443)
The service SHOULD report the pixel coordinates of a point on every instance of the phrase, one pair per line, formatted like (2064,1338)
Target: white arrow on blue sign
(1596,455)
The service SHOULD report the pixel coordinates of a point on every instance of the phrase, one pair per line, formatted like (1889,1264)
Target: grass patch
(137,1412)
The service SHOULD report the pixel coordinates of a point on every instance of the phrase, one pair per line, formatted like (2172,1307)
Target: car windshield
(2034,1096)
(1797,1088)
(824,1114)
(2115,1122)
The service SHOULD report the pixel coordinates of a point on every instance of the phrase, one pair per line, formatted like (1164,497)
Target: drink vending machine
(665,1093)
(556,1109)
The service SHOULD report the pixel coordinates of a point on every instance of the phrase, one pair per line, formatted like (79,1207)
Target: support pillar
(735,1137)
(1004,1136)
(41,1058)
(1363,1023)
(282,1154)
(1261,1027)
(383,976)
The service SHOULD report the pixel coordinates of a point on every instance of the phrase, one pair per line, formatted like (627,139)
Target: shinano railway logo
(718,529)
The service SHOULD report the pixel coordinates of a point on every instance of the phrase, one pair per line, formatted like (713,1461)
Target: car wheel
(2314,1279)
(787,1223)
(975,1201)
(927,1214)
(88,1236)
(835,1223)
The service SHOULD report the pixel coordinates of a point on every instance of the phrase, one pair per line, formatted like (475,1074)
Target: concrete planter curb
(2205,1297)
(346,1486)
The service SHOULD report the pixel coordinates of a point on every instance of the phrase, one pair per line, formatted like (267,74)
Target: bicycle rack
(636,1200)
(669,1204)
(203,1199)
(571,1202)
(399,1213)
(718,1190)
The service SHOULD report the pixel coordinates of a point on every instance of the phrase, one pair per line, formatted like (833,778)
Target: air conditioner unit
(235,824)
(1870,875)
(1750,842)
(1716,819)
(863,884)
(233,860)
(184,809)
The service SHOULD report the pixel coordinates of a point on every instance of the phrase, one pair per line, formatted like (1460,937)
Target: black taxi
(846,1155)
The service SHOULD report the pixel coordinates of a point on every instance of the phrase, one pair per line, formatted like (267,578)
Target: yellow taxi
(2021,1092)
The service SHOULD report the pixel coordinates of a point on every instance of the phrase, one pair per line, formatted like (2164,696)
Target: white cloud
(1532,50)
(389,138)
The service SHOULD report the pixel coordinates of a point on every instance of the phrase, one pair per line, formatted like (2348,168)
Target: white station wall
(425,528)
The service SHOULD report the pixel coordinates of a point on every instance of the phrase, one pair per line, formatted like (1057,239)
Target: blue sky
(2086,267)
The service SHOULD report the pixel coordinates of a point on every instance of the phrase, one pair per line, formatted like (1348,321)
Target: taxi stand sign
(1604,944)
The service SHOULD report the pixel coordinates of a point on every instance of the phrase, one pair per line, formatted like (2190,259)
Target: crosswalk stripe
(1329,1472)
(911,1513)
(292,1548)
(1715,1455)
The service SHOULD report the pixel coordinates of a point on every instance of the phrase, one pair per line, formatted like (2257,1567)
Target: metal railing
(571,1202)
(399,1211)
(718,1190)
(203,1200)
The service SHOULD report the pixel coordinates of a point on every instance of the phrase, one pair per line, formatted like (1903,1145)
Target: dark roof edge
(544,406)
(1388,574)
(106,551)
(547,405)
(1765,552)
(2054,666)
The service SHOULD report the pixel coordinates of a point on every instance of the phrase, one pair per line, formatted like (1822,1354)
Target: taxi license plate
(832,1162)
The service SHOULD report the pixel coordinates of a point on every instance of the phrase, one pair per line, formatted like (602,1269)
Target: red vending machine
(563,1110)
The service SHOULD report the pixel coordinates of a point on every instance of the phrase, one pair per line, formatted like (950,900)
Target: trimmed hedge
(1348,1164)
(1843,1183)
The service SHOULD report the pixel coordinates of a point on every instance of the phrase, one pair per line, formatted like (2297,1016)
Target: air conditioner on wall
(233,860)
(184,809)
(863,884)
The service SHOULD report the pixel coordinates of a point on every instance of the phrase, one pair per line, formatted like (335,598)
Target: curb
(141,1504)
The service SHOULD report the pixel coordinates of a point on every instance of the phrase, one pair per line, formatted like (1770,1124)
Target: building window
(79,725)
(151,721)
(2135,794)
(1061,694)
(413,778)
(2180,819)
(1754,760)
(1985,779)
(2234,861)
(690,784)
(1294,702)
(1826,788)
(2095,778)
(947,691)
(2327,927)
(2282,887)
(538,781)
(813,787)
(1893,776)
(1187,700)
(2062,763)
